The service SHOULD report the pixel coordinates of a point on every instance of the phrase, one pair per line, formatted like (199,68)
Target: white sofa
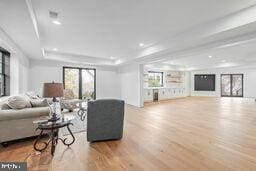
(18,124)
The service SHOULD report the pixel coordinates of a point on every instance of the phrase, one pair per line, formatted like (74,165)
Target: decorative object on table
(69,101)
(105,120)
(53,127)
(53,90)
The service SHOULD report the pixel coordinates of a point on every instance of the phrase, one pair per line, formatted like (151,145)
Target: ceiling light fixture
(210,56)
(56,22)
(54,16)
(141,44)
(223,61)
(111,57)
(55,49)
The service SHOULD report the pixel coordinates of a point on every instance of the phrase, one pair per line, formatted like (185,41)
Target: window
(82,82)
(4,72)
(155,79)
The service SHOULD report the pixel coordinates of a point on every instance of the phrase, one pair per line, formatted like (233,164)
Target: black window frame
(80,79)
(162,81)
(231,85)
(5,53)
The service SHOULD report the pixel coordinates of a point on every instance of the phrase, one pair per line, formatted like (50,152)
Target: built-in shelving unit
(174,86)
(174,77)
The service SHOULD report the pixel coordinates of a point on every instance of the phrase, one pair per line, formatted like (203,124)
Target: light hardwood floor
(193,133)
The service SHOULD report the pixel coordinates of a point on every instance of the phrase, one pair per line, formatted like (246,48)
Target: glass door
(232,85)
(81,81)
(71,81)
(237,85)
(88,84)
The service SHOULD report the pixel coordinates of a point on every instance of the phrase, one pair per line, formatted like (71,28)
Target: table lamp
(53,90)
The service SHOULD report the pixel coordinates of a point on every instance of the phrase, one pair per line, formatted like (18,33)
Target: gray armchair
(105,120)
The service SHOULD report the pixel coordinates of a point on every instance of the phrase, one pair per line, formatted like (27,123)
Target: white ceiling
(15,20)
(101,28)
(94,30)
(230,56)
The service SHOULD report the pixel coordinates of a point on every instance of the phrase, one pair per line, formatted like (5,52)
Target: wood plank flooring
(194,133)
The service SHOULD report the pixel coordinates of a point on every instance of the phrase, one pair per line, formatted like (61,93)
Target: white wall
(249,81)
(131,84)
(42,71)
(19,65)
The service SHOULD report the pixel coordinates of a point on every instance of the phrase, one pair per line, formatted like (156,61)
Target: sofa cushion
(39,102)
(18,102)
(24,113)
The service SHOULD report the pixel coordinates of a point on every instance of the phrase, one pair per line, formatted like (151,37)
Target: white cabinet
(176,92)
(148,95)
(162,94)
(165,93)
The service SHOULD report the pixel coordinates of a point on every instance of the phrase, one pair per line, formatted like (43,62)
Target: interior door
(232,85)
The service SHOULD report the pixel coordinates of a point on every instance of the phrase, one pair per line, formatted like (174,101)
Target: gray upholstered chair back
(105,120)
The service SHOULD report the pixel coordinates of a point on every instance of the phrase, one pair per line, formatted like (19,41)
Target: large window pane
(4,72)
(225,85)
(72,81)
(232,85)
(2,85)
(81,81)
(7,86)
(88,84)
(237,85)
(155,79)
(7,65)
(1,68)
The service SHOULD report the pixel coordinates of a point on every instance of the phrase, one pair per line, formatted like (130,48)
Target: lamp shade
(53,90)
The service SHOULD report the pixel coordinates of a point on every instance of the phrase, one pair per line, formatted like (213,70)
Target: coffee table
(52,129)
(82,112)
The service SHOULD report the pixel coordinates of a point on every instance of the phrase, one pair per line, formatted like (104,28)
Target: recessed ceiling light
(223,61)
(210,56)
(55,49)
(118,61)
(141,44)
(56,22)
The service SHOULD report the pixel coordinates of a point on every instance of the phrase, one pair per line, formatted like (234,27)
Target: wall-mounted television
(205,82)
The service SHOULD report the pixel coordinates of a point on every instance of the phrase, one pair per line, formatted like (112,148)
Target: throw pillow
(32,95)
(39,102)
(5,106)
(18,102)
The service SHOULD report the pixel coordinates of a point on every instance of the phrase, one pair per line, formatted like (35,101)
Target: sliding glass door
(88,83)
(232,85)
(81,81)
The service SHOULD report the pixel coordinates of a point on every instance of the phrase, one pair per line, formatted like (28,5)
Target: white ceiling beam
(76,58)
(34,21)
(233,29)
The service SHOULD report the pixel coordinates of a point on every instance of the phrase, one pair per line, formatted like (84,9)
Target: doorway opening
(231,85)
(82,81)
